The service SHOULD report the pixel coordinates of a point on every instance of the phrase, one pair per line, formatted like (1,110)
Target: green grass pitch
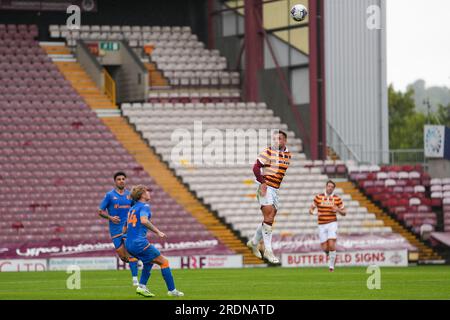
(421,282)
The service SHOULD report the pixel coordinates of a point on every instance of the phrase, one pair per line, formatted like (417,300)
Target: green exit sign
(109,46)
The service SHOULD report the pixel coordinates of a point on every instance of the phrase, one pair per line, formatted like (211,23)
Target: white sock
(257,236)
(267,236)
(332,259)
(143,286)
(135,279)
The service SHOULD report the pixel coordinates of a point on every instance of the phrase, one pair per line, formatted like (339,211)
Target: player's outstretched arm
(257,172)
(145,222)
(311,209)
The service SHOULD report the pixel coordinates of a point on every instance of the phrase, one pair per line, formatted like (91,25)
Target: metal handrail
(109,87)
(340,143)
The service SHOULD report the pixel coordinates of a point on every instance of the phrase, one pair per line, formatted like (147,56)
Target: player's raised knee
(123,256)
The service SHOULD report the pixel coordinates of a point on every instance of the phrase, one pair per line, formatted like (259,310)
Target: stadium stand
(401,191)
(337,168)
(404,193)
(230,190)
(194,96)
(446,207)
(440,197)
(58,158)
(192,72)
(174,50)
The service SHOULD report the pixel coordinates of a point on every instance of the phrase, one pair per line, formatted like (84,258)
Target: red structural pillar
(318,119)
(254,48)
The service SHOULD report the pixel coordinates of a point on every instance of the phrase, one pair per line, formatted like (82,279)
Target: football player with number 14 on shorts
(137,245)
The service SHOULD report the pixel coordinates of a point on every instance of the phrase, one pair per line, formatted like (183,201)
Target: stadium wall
(89,63)
(132,77)
(355,73)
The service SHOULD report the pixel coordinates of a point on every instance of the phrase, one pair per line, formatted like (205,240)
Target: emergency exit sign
(109,46)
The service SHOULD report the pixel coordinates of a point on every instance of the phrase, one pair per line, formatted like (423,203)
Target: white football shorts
(271,197)
(328,231)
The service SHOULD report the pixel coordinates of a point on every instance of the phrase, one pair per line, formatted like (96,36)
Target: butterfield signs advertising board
(390,258)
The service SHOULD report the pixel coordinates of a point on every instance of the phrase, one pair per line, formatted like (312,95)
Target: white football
(299,12)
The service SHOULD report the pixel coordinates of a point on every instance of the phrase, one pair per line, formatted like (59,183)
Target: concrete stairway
(78,77)
(156,77)
(84,85)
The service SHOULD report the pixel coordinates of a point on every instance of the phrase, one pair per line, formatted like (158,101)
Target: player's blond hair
(138,191)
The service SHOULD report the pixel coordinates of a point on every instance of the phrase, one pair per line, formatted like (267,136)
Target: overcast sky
(418,42)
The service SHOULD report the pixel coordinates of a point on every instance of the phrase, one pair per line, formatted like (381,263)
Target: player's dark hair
(119,173)
(332,182)
(283,133)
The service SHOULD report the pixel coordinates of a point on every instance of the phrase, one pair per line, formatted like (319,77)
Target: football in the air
(299,12)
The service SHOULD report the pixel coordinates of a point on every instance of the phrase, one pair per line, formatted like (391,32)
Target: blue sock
(134,268)
(168,278)
(145,274)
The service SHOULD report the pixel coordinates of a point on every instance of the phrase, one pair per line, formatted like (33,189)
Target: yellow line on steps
(49,49)
(84,85)
(166,179)
(425,253)
(155,76)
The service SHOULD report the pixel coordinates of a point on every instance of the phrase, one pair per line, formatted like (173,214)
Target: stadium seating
(402,191)
(330,167)
(175,50)
(167,37)
(231,95)
(58,158)
(439,189)
(440,193)
(446,211)
(229,188)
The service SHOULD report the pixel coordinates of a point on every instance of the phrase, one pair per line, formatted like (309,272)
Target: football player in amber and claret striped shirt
(328,204)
